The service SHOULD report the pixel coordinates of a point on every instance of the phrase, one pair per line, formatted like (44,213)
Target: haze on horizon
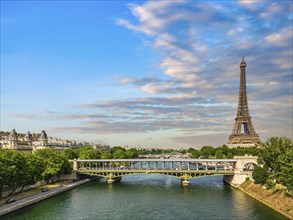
(145,73)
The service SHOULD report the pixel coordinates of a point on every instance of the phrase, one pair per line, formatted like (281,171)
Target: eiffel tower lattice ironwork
(243,131)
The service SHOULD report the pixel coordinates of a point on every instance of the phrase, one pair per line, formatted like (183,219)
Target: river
(150,197)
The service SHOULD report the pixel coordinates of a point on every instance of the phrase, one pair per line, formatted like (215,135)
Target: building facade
(31,142)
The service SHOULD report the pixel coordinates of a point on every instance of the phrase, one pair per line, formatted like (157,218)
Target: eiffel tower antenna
(243,131)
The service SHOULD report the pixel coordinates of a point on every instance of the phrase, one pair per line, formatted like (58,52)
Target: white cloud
(282,38)
(126,80)
(249,4)
(155,88)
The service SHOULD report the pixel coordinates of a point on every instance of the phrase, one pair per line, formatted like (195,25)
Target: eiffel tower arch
(243,131)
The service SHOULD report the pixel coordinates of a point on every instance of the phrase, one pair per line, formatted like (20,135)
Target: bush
(270,184)
(260,175)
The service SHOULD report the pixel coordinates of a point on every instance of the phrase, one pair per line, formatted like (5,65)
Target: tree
(277,154)
(8,169)
(88,152)
(114,149)
(106,155)
(230,155)
(225,150)
(260,174)
(219,154)
(194,153)
(207,151)
(55,164)
(119,154)
(70,154)
(131,153)
(18,169)
(35,168)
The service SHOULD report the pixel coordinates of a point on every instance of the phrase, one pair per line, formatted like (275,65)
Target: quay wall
(275,200)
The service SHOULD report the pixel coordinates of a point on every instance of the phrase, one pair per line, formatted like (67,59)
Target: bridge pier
(114,179)
(185,182)
(238,178)
(185,179)
(241,171)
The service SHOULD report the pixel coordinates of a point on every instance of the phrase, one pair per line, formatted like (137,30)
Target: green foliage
(270,184)
(13,169)
(55,164)
(119,154)
(219,154)
(36,166)
(131,153)
(19,169)
(106,155)
(260,174)
(116,148)
(207,151)
(277,154)
(88,152)
(194,153)
(229,156)
(222,152)
(70,154)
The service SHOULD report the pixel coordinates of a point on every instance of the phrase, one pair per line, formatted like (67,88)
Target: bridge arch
(245,163)
(249,166)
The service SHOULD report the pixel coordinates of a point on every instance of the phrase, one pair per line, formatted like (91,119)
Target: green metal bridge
(185,169)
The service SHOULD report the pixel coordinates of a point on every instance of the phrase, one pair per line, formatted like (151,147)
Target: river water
(150,197)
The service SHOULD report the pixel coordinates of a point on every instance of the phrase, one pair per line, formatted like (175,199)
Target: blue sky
(145,73)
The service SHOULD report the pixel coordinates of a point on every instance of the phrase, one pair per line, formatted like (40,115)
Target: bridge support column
(114,179)
(75,165)
(240,173)
(185,182)
(238,178)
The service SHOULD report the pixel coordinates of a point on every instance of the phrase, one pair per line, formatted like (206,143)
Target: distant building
(31,142)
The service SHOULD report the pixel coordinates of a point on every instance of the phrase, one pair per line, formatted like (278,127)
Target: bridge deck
(158,171)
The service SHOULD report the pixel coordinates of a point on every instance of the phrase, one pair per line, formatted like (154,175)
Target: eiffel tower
(243,132)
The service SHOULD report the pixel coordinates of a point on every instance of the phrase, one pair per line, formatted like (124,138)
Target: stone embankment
(7,208)
(276,200)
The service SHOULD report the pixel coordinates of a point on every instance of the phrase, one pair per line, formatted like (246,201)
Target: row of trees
(118,152)
(222,152)
(276,160)
(88,152)
(19,169)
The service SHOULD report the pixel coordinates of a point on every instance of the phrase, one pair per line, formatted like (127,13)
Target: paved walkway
(7,208)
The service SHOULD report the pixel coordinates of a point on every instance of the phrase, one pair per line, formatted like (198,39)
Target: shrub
(260,175)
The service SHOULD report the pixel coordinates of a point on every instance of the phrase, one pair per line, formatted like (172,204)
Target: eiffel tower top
(243,63)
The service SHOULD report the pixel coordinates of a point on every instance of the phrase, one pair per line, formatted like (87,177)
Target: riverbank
(39,196)
(276,200)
